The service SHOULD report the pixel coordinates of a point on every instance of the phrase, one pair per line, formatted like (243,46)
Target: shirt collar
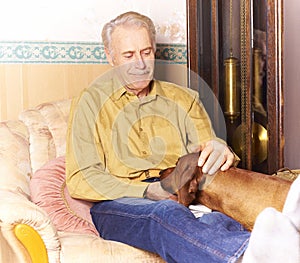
(120,91)
(157,89)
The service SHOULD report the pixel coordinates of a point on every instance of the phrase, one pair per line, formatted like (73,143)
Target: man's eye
(129,55)
(147,53)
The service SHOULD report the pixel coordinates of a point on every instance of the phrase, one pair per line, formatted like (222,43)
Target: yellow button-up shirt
(115,140)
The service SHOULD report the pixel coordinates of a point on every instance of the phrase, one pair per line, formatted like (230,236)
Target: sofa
(39,221)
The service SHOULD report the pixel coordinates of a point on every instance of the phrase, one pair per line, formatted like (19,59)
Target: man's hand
(215,155)
(156,192)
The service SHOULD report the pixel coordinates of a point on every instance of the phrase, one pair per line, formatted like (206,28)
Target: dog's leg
(275,237)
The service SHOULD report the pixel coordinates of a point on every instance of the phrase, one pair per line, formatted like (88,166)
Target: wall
(292,82)
(45,52)
(51,50)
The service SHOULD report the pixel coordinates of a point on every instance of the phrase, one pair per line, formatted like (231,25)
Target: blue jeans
(170,230)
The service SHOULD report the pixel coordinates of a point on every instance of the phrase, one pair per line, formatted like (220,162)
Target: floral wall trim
(75,52)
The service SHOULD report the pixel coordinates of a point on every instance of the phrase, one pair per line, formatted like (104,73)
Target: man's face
(133,56)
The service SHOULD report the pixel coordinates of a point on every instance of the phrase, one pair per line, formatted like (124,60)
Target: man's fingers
(205,153)
(214,156)
(229,157)
(156,192)
(213,163)
(226,165)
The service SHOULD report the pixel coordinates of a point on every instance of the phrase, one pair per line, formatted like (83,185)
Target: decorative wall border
(75,52)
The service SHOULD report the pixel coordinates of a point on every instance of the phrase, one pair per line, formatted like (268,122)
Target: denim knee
(168,209)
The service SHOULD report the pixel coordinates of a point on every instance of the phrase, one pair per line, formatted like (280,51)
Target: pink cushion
(49,191)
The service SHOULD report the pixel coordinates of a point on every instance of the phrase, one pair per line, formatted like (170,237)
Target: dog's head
(183,179)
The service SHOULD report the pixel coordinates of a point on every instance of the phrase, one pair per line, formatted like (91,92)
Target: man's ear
(108,56)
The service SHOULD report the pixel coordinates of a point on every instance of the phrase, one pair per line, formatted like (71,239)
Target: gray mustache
(139,72)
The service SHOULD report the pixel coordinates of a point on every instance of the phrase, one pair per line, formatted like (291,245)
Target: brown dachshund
(238,193)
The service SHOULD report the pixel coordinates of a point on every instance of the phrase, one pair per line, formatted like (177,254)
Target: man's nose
(140,63)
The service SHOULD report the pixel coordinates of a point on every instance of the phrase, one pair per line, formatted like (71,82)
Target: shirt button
(141,129)
(144,152)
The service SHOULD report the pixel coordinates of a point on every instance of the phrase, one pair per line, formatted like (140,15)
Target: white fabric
(99,250)
(276,236)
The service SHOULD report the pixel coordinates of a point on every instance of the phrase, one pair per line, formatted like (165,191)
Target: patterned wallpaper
(75,52)
(69,32)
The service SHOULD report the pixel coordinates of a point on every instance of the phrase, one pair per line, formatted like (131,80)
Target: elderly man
(127,127)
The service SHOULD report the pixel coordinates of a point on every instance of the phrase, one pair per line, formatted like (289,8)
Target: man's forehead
(130,39)
(146,48)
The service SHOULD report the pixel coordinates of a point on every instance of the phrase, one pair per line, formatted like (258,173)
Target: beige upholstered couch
(27,231)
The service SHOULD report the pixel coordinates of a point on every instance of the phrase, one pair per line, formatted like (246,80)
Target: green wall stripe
(75,52)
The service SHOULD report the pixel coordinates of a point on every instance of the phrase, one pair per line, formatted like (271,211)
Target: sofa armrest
(23,221)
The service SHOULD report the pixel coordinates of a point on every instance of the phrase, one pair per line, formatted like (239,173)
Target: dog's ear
(183,180)
(165,172)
